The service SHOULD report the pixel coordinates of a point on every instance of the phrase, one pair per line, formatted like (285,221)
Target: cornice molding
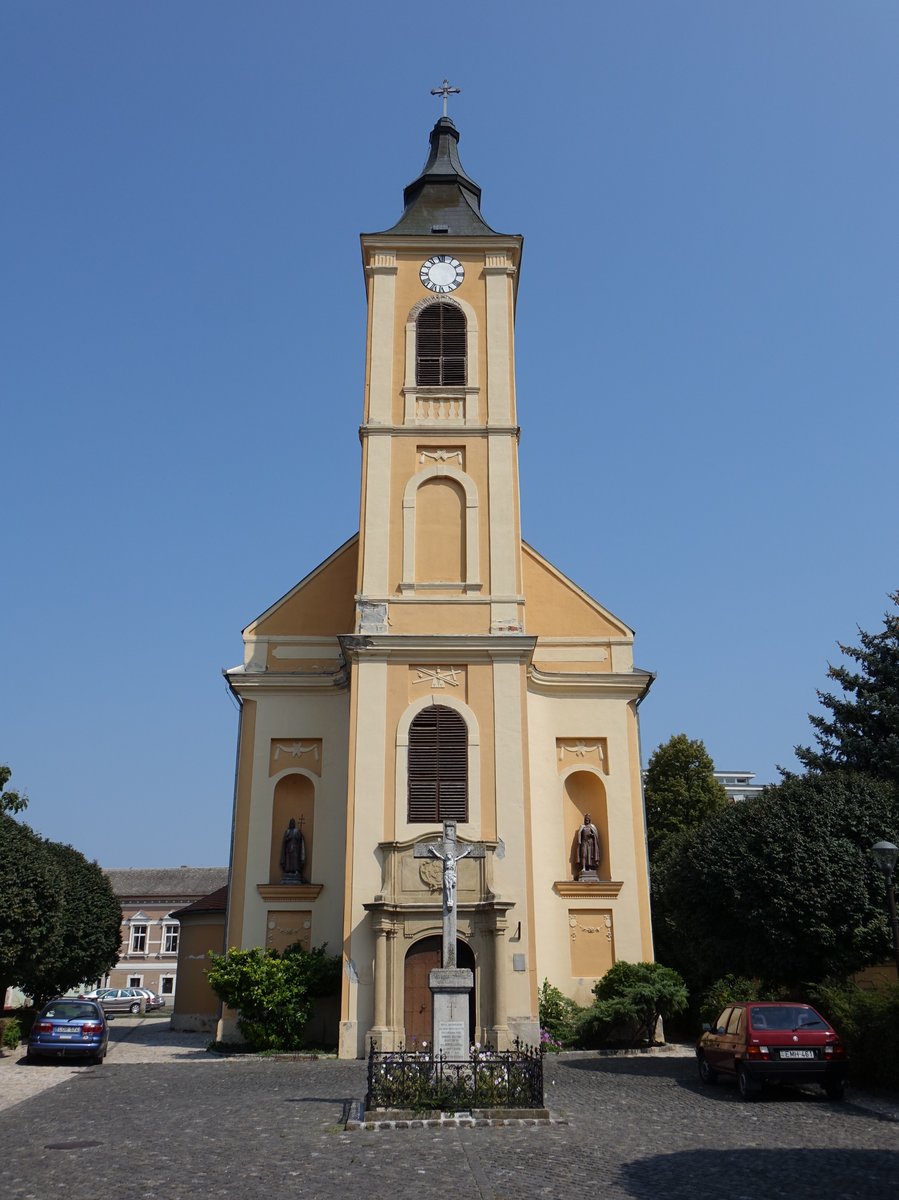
(423,241)
(281,893)
(572,889)
(240,680)
(411,647)
(634,685)
(437,428)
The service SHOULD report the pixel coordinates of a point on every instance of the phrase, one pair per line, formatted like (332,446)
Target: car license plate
(797,1054)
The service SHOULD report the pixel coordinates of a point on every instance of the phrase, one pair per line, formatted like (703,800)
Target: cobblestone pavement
(640,1129)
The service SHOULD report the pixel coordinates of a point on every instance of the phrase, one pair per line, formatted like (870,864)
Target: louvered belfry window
(440,346)
(438,766)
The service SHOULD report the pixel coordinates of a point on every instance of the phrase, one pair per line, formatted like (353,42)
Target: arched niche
(584,792)
(294,797)
(462,501)
(440,532)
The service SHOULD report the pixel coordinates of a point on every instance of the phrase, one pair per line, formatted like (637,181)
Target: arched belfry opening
(440,346)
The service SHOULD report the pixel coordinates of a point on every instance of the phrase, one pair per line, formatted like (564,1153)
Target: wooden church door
(418,1006)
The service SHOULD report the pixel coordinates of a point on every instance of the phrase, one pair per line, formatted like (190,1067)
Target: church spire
(443,199)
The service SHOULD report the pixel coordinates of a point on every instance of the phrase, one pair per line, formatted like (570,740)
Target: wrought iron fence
(420,1080)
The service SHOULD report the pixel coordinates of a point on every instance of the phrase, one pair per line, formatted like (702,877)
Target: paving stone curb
(455,1123)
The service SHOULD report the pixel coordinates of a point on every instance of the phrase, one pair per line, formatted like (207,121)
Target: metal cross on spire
(445,92)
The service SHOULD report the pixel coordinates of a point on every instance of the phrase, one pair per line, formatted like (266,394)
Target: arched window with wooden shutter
(438,766)
(440,347)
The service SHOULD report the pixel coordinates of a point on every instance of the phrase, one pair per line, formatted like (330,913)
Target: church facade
(437,668)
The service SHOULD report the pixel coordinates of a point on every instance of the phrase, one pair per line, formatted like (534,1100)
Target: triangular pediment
(323,603)
(555,607)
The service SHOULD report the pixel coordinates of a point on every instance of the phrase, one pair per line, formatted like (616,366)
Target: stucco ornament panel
(429,455)
(431,875)
(582,752)
(436,678)
(603,927)
(294,752)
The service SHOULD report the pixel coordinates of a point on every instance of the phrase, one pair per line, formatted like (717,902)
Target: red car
(772,1042)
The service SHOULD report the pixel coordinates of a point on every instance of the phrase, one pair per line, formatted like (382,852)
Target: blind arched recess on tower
(438,766)
(440,345)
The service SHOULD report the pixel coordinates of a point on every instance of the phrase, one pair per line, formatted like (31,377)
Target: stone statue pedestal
(451,988)
(588,877)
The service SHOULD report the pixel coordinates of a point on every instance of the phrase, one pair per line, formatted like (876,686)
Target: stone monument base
(451,988)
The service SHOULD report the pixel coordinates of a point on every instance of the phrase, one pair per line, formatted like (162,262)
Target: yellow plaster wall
(324,603)
(198,935)
(461,617)
(555,608)
(556,716)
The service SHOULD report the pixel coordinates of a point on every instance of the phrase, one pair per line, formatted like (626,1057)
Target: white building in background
(738,784)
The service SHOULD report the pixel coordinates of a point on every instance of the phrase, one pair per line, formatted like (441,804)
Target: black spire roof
(443,199)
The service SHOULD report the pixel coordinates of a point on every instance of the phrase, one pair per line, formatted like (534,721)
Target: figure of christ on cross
(447,852)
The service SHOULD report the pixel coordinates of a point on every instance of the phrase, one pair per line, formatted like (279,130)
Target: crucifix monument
(450,985)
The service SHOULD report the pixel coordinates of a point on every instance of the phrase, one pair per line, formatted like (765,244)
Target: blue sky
(709,299)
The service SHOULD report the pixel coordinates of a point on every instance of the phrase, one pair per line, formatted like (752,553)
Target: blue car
(66,1028)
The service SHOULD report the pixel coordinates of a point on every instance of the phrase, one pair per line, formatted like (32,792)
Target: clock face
(442,273)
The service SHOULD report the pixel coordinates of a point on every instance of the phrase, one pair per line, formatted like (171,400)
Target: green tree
(782,887)
(10,802)
(631,999)
(85,940)
(30,902)
(680,789)
(59,918)
(860,730)
(274,992)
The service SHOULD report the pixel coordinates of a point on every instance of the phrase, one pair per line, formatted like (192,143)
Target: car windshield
(781,1017)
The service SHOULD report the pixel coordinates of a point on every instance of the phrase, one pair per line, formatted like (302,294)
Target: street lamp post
(885,855)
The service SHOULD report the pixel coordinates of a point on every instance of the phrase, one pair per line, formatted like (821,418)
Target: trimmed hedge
(868,1022)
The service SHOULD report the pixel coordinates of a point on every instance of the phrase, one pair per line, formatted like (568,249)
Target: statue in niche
(589,850)
(293,853)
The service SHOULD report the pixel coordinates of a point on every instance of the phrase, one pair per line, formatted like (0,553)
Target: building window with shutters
(438,766)
(440,347)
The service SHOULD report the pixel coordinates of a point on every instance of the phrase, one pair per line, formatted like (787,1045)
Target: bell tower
(440,530)
(439,647)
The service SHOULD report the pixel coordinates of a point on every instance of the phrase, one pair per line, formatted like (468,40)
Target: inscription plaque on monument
(452,1042)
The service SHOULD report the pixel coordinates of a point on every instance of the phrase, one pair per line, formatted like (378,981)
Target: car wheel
(748,1088)
(96,1060)
(835,1089)
(706,1073)
(135,1008)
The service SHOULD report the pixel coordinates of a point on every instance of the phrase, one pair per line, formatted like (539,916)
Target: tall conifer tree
(860,729)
